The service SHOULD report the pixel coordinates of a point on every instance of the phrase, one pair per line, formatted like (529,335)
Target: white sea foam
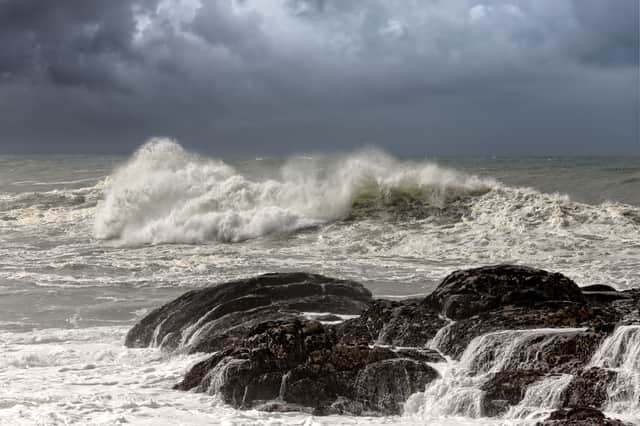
(87,377)
(398,226)
(379,220)
(165,194)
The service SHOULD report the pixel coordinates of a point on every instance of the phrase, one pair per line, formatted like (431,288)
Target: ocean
(89,244)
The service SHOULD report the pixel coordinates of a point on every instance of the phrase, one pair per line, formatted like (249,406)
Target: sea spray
(166,194)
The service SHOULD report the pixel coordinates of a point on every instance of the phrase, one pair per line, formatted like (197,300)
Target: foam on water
(81,245)
(87,377)
(394,221)
(165,194)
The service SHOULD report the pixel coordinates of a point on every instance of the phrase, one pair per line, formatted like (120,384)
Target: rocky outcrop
(505,389)
(408,323)
(269,355)
(524,325)
(506,297)
(589,388)
(576,347)
(466,293)
(212,318)
(580,416)
(301,364)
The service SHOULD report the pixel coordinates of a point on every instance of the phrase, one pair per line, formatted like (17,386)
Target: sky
(271,77)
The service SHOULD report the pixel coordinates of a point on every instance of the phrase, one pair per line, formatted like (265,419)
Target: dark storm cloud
(66,43)
(234,76)
(610,31)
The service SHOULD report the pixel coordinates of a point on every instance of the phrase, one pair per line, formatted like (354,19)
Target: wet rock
(465,293)
(506,388)
(600,320)
(301,363)
(579,416)
(424,355)
(589,388)
(266,296)
(328,318)
(597,288)
(408,323)
(267,354)
(600,293)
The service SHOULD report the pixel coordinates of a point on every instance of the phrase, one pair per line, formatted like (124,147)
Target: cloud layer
(271,76)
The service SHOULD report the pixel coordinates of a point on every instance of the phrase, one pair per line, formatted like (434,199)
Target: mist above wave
(166,194)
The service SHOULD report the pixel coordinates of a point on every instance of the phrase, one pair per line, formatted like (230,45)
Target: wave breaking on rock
(506,342)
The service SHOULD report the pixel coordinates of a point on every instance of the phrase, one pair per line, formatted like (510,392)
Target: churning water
(89,244)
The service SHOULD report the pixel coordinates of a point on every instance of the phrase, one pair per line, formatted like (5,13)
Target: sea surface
(89,244)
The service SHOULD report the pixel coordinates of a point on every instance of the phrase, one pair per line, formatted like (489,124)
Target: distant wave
(57,205)
(166,194)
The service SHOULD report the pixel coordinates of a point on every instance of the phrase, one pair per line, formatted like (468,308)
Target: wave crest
(166,194)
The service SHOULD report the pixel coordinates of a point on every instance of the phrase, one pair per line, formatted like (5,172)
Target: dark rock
(546,352)
(267,355)
(600,293)
(328,318)
(600,319)
(604,296)
(589,388)
(272,293)
(424,355)
(579,416)
(230,329)
(506,388)
(597,288)
(384,386)
(408,323)
(301,364)
(465,293)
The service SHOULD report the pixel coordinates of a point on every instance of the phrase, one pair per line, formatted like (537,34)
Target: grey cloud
(610,31)
(252,74)
(66,43)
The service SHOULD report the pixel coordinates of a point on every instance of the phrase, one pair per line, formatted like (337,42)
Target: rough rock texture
(465,293)
(267,355)
(579,416)
(506,388)
(408,323)
(266,297)
(301,363)
(589,388)
(557,354)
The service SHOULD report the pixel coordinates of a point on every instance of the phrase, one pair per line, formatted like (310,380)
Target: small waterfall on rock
(620,352)
(459,390)
(283,386)
(219,374)
(437,341)
(155,338)
(541,397)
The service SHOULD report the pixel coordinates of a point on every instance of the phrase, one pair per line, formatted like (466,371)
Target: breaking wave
(165,194)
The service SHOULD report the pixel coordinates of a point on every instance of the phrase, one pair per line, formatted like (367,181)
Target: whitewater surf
(93,243)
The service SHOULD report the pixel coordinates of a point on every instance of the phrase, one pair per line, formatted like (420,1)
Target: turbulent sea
(89,244)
